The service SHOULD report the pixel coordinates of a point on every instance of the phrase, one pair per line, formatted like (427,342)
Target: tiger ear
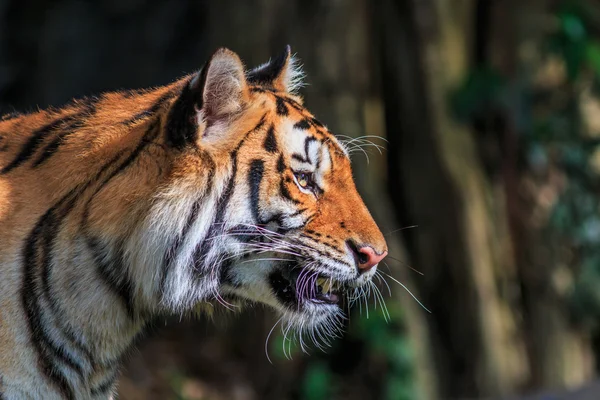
(209,100)
(220,87)
(283,73)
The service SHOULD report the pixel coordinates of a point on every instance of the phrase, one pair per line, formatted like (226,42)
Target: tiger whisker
(384,309)
(404,263)
(263,259)
(267,340)
(401,229)
(409,292)
(381,279)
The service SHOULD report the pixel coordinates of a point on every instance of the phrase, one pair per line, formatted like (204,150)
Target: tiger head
(261,201)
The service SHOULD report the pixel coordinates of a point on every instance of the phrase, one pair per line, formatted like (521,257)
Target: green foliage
(282,347)
(383,342)
(483,89)
(573,43)
(570,42)
(177,379)
(318,382)
(387,340)
(576,215)
(586,297)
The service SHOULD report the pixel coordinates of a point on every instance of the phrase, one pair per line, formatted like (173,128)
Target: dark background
(489,115)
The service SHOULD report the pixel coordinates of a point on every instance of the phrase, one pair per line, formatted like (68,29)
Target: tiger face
(304,236)
(290,229)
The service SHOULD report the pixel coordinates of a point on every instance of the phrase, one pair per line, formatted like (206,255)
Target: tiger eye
(303,180)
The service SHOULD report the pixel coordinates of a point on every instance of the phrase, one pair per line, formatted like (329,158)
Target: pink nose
(367,258)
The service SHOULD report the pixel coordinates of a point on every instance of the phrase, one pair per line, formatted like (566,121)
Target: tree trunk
(425,53)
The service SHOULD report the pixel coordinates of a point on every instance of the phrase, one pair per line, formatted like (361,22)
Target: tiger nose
(368,258)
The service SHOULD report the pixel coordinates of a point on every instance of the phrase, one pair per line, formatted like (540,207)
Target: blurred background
(487,188)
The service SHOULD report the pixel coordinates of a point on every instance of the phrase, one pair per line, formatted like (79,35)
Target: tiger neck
(83,309)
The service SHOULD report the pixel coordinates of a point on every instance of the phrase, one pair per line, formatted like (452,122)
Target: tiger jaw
(303,294)
(297,286)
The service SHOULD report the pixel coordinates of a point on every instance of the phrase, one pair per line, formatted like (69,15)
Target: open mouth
(296,286)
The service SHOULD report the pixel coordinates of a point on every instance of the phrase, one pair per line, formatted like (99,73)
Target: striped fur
(118,208)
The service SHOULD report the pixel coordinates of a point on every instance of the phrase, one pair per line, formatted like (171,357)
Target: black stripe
(223,202)
(302,124)
(308,120)
(282,108)
(114,272)
(51,148)
(276,217)
(107,385)
(257,89)
(69,127)
(46,349)
(306,157)
(280,164)
(270,143)
(41,341)
(316,237)
(181,128)
(172,252)
(255,176)
(152,110)
(331,246)
(151,133)
(285,193)
(321,252)
(316,122)
(300,158)
(33,143)
(294,104)
(51,230)
(297,212)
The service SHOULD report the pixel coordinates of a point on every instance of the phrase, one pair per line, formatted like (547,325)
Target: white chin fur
(319,321)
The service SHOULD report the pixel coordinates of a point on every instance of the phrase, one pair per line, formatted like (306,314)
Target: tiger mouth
(298,286)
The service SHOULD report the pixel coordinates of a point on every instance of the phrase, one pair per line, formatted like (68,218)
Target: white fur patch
(294,76)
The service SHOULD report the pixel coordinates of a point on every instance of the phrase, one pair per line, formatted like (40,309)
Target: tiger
(220,188)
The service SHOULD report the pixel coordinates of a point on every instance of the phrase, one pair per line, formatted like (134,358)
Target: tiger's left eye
(304,179)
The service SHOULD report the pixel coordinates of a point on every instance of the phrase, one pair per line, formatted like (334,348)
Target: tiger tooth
(326,284)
